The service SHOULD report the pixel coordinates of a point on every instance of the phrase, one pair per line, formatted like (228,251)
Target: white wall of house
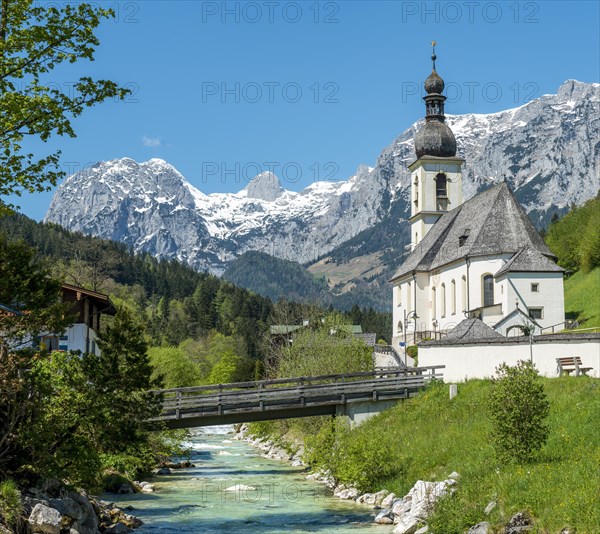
(470,360)
(79,337)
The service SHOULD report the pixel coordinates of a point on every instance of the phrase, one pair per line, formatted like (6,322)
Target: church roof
(490,223)
(471,330)
(528,260)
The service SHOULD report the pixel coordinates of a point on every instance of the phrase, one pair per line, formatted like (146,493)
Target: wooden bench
(571,363)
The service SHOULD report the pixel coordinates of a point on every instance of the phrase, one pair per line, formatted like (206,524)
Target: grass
(431,436)
(582,298)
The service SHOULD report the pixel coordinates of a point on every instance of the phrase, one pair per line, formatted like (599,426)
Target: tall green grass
(431,436)
(582,298)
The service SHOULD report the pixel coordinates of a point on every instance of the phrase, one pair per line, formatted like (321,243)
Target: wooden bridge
(356,395)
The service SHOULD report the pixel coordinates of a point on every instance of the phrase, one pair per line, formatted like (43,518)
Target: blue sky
(309,89)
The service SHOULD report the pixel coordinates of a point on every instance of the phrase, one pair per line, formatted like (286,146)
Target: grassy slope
(582,298)
(430,436)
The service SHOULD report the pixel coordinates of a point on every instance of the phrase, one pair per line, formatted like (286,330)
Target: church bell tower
(436,175)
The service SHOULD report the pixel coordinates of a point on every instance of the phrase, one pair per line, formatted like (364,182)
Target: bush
(10,502)
(517,408)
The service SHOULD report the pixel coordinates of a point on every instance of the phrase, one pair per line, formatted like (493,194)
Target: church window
(433,303)
(535,288)
(488,290)
(441,188)
(453,296)
(441,192)
(443,302)
(464,294)
(399,329)
(536,313)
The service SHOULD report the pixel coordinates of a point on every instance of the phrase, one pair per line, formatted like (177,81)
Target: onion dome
(435,138)
(433,83)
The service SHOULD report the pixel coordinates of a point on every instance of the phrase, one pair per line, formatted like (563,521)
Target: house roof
(100,299)
(527,260)
(471,329)
(490,223)
(351,328)
(281,329)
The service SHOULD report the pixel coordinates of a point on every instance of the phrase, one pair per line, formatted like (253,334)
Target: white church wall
(469,361)
(549,295)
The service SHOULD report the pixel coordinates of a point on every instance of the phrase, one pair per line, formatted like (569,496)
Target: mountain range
(351,233)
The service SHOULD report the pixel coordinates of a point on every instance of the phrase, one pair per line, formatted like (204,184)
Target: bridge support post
(358,412)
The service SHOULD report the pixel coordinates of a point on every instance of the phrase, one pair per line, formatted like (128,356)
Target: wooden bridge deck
(288,398)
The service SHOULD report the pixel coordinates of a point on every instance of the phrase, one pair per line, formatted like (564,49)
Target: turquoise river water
(234,489)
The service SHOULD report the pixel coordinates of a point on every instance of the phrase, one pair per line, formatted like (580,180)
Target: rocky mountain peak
(544,149)
(264,186)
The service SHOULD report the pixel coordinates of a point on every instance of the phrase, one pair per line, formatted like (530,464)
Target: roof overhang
(434,159)
(101,300)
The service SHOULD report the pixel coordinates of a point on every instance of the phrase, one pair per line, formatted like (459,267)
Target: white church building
(481,258)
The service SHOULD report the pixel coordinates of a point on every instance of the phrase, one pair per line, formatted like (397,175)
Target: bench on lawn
(571,363)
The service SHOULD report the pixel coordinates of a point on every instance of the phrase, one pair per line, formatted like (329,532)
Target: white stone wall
(468,361)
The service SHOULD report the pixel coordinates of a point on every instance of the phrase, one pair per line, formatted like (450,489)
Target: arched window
(399,329)
(453,296)
(433,303)
(465,305)
(488,290)
(443,303)
(441,186)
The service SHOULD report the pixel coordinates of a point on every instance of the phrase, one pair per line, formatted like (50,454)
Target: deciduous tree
(35,39)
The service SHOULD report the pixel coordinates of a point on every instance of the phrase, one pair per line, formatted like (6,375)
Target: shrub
(10,502)
(517,408)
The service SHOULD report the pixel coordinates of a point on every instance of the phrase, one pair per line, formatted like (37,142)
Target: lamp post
(406,317)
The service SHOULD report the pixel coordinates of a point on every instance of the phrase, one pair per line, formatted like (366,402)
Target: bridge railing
(294,391)
(427,372)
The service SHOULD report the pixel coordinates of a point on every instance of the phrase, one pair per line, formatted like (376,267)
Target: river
(270,497)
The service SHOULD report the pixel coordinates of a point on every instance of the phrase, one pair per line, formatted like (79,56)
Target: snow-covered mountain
(548,150)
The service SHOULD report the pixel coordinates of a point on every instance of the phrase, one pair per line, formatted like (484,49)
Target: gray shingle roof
(494,223)
(471,329)
(527,260)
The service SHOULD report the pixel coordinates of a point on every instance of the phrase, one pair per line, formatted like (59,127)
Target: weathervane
(433,56)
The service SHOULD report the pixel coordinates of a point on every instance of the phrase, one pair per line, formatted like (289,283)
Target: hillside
(559,489)
(575,239)
(582,298)
(430,436)
(275,278)
(175,302)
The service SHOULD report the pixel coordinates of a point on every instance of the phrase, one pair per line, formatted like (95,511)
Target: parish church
(481,258)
